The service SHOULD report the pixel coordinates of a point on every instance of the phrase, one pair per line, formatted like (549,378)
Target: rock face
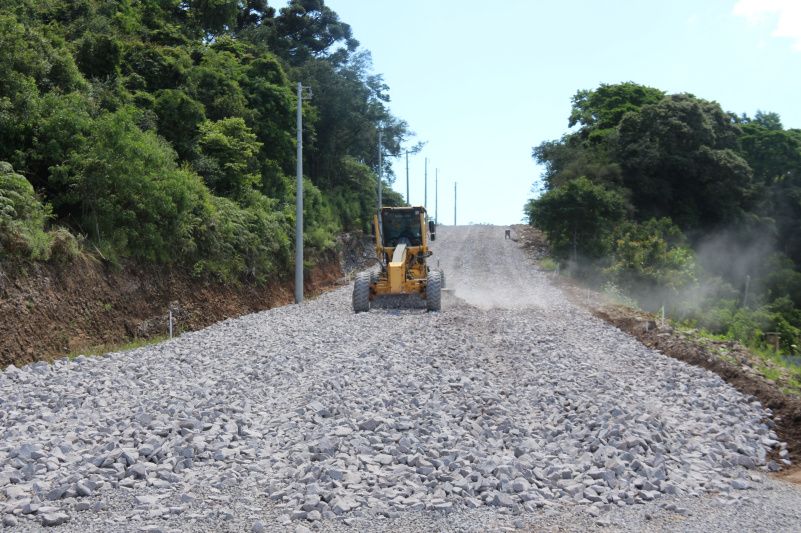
(331,415)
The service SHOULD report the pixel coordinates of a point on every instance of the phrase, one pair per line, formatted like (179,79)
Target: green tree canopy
(228,157)
(578,218)
(599,111)
(679,160)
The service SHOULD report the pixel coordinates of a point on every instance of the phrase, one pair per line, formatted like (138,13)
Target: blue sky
(483,82)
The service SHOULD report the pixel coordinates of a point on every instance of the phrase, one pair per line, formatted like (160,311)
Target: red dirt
(48,311)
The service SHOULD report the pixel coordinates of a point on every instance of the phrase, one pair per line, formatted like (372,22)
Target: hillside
(163,133)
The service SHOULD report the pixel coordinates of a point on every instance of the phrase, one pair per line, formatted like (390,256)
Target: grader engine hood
(396,270)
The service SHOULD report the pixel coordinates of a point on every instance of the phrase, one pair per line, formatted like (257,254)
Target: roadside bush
(749,326)
(548,264)
(651,255)
(238,242)
(132,198)
(22,217)
(64,246)
(319,220)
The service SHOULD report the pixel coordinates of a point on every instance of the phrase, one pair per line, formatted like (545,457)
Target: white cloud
(785,14)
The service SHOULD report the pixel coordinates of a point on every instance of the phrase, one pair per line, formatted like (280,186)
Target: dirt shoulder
(49,311)
(731,361)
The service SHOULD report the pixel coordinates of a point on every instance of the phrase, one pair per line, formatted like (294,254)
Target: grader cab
(401,245)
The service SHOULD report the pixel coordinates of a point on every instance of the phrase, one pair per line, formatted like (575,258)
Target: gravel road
(511,408)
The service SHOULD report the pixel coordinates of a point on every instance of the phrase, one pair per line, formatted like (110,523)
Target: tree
(228,162)
(254,14)
(153,67)
(599,111)
(179,119)
(307,29)
(775,157)
(578,218)
(592,150)
(111,108)
(768,120)
(679,161)
(99,56)
(215,83)
(266,88)
(128,193)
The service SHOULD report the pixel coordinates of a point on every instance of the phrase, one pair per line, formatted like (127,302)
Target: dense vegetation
(164,131)
(678,203)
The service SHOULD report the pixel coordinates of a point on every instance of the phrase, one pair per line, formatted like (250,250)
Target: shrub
(548,264)
(131,197)
(651,255)
(228,157)
(243,242)
(22,217)
(64,246)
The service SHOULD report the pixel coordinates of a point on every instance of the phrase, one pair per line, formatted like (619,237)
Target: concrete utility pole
(454,203)
(425,188)
(407,176)
(380,172)
(299,198)
(436,196)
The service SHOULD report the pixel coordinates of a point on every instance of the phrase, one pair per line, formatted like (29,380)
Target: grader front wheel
(434,291)
(361,292)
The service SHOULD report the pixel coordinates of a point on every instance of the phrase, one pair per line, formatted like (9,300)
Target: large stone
(369,424)
(342,505)
(137,471)
(15,492)
(502,500)
(520,484)
(54,519)
(740,484)
(56,493)
(146,500)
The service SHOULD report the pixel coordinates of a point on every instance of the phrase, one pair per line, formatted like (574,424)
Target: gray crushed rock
(511,408)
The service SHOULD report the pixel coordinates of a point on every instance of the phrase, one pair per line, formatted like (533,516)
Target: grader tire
(442,277)
(434,291)
(361,292)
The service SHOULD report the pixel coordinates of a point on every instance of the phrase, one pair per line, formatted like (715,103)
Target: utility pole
(407,177)
(454,203)
(380,172)
(436,197)
(299,198)
(425,188)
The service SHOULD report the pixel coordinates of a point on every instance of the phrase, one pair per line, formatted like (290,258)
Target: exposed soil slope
(50,311)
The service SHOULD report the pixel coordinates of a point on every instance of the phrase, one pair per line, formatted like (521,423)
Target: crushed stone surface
(510,409)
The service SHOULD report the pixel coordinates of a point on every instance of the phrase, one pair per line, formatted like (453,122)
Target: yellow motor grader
(401,244)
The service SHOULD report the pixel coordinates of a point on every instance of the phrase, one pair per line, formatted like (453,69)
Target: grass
(548,264)
(771,373)
(773,367)
(102,349)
